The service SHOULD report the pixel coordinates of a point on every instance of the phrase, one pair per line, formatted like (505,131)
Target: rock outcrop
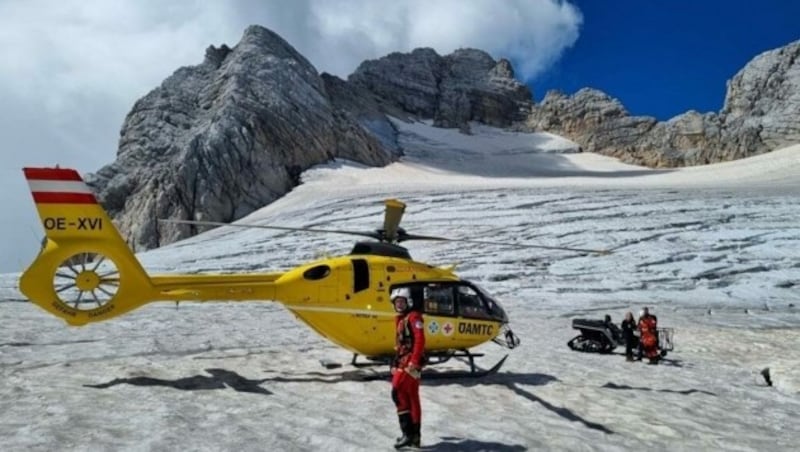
(467,85)
(221,139)
(761,113)
(762,103)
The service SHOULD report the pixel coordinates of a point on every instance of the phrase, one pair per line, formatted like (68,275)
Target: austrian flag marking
(58,186)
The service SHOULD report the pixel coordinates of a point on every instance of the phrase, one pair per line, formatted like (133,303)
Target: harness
(405,342)
(404,339)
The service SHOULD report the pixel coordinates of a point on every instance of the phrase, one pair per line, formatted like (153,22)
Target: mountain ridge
(759,114)
(218,140)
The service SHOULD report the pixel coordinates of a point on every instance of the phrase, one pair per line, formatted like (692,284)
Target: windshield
(495,309)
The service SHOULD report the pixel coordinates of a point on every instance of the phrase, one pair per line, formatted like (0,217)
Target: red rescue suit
(648,335)
(407,365)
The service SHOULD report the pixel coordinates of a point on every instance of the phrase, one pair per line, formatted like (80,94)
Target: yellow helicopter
(86,273)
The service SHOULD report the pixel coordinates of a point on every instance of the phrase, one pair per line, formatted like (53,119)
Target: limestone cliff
(761,113)
(221,139)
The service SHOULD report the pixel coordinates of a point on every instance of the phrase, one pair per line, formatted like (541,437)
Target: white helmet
(403,292)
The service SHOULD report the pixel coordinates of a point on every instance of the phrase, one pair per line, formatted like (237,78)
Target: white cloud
(72,69)
(60,58)
(533,33)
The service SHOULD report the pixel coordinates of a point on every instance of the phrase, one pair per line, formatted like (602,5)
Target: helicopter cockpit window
(439,299)
(493,307)
(318,272)
(470,303)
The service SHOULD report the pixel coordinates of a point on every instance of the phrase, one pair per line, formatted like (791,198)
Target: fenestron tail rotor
(85,271)
(86,281)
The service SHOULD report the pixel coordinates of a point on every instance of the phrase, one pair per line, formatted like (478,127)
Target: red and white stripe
(58,186)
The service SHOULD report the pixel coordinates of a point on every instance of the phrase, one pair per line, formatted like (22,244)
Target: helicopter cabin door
(457,316)
(367,299)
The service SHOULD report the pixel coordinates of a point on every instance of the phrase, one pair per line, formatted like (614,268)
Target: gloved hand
(414,371)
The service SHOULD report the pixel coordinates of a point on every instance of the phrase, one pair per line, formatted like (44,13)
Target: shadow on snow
(219,379)
(611,385)
(459,444)
(510,380)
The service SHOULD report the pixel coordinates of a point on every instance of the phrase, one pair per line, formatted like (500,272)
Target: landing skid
(432,359)
(480,373)
(430,374)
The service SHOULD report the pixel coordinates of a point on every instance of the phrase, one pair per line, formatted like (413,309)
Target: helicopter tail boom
(85,271)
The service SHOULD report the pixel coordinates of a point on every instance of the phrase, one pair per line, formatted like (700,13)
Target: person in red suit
(407,366)
(648,335)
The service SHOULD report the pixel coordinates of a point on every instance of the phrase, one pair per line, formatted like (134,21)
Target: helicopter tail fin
(85,271)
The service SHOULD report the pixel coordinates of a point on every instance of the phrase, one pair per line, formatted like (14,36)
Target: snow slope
(712,250)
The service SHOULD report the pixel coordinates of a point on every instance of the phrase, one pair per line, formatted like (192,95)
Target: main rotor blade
(391,218)
(513,245)
(279,228)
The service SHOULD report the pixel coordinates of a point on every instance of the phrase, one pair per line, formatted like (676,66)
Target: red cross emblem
(447,328)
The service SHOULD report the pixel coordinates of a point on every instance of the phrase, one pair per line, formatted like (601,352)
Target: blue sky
(662,58)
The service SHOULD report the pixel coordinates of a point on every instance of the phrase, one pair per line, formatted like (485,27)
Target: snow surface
(712,250)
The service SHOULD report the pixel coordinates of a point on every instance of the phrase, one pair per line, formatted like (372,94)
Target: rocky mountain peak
(216,55)
(453,90)
(769,78)
(502,70)
(221,139)
(761,113)
(469,63)
(763,100)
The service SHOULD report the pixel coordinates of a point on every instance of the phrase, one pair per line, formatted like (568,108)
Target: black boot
(407,428)
(410,438)
(416,440)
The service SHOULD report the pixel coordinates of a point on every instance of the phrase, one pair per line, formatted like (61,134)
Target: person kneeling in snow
(648,336)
